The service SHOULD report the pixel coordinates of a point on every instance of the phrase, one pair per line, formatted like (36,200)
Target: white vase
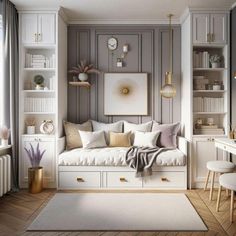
(83,76)
(30,129)
(215,65)
(4,142)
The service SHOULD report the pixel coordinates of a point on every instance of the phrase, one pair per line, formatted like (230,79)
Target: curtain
(10,80)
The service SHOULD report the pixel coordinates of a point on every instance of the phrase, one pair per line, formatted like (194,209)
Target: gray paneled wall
(148,52)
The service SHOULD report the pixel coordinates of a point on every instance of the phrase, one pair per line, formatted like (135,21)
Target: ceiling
(149,11)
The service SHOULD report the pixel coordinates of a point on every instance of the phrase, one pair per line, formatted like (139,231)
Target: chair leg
(218,198)
(212,185)
(232,207)
(207,179)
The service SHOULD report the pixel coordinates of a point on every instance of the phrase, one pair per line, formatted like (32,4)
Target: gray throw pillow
(168,134)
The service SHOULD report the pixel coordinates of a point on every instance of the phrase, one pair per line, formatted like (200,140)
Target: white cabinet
(200,28)
(209,28)
(48,161)
(38,28)
(204,150)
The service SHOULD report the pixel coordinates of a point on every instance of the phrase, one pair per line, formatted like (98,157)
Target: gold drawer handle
(164,180)
(122,179)
(80,179)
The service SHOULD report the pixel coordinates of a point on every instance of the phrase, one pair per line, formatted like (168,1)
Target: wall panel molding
(148,53)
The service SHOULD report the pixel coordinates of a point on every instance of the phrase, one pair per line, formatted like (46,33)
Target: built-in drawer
(122,180)
(165,180)
(79,180)
(226,148)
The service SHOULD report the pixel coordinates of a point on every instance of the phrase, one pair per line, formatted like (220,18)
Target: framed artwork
(125,94)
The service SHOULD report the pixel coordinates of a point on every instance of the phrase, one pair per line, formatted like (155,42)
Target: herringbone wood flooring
(17,210)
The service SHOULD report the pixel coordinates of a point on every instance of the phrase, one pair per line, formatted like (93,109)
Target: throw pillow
(73,139)
(112,127)
(93,139)
(146,127)
(146,139)
(120,139)
(168,134)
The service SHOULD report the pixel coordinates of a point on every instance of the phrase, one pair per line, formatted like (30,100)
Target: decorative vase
(4,142)
(30,129)
(215,65)
(83,76)
(35,179)
(38,87)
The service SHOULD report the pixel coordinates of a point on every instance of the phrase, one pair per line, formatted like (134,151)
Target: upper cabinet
(38,28)
(209,28)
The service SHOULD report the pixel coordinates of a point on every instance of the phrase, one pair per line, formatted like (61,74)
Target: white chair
(214,167)
(229,182)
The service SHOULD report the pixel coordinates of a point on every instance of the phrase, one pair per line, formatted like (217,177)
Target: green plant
(38,79)
(215,58)
(84,67)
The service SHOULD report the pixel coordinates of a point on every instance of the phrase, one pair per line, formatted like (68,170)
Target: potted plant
(4,135)
(38,80)
(83,70)
(215,61)
(30,125)
(35,172)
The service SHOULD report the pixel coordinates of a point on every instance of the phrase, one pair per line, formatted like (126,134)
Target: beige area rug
(118,211)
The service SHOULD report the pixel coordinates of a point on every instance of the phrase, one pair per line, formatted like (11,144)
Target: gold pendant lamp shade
(168,90)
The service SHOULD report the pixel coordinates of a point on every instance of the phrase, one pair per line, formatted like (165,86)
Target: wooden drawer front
(165,180)
(76,180)
(122,180)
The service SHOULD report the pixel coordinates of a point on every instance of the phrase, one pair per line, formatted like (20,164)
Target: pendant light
(168,90)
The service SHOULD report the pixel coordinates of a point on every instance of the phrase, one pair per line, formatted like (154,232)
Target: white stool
(214,167)
(229,182)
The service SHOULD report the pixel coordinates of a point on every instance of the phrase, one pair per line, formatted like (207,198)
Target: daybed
(105,168)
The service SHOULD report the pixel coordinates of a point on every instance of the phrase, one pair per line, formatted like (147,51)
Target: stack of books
(39,104)
(39,61)
(208,104)
(199,82)
(201,59)
(209,129)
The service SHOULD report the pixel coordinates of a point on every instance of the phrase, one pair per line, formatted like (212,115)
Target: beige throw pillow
(120,139)
(73,139)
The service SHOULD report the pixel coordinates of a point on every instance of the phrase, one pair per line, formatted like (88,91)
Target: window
(1,74)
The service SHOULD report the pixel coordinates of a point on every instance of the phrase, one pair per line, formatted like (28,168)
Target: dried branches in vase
(30,123)
(83,69)
(4,135)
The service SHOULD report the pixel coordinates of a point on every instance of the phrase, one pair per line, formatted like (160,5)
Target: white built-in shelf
(209,69)
(33,46)
(38,113)
(209,91)
(209,45)
(209,113)
(38,91)
(81,84)
(39,69)
(39,135)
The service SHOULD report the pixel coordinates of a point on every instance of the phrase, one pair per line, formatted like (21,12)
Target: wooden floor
(17,211)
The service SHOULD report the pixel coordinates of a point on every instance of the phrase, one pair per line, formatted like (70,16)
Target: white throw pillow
(146,127)
(92,139)
(146,139)
(112,127)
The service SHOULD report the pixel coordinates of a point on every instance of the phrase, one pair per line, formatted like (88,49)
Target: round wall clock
(112,43)
(47,127)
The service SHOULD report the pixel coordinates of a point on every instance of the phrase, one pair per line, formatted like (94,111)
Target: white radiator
(5,174)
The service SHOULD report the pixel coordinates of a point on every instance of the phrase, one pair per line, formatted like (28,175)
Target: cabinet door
(200,28)
(204,150)
(46,28)
(29,28)
(47,162)
(219,28)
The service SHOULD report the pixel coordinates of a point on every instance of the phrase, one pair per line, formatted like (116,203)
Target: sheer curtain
(9,80)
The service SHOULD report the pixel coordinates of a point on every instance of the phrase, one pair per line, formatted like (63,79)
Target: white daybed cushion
(114,156)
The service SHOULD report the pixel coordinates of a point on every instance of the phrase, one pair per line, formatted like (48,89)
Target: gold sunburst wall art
(125,94)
